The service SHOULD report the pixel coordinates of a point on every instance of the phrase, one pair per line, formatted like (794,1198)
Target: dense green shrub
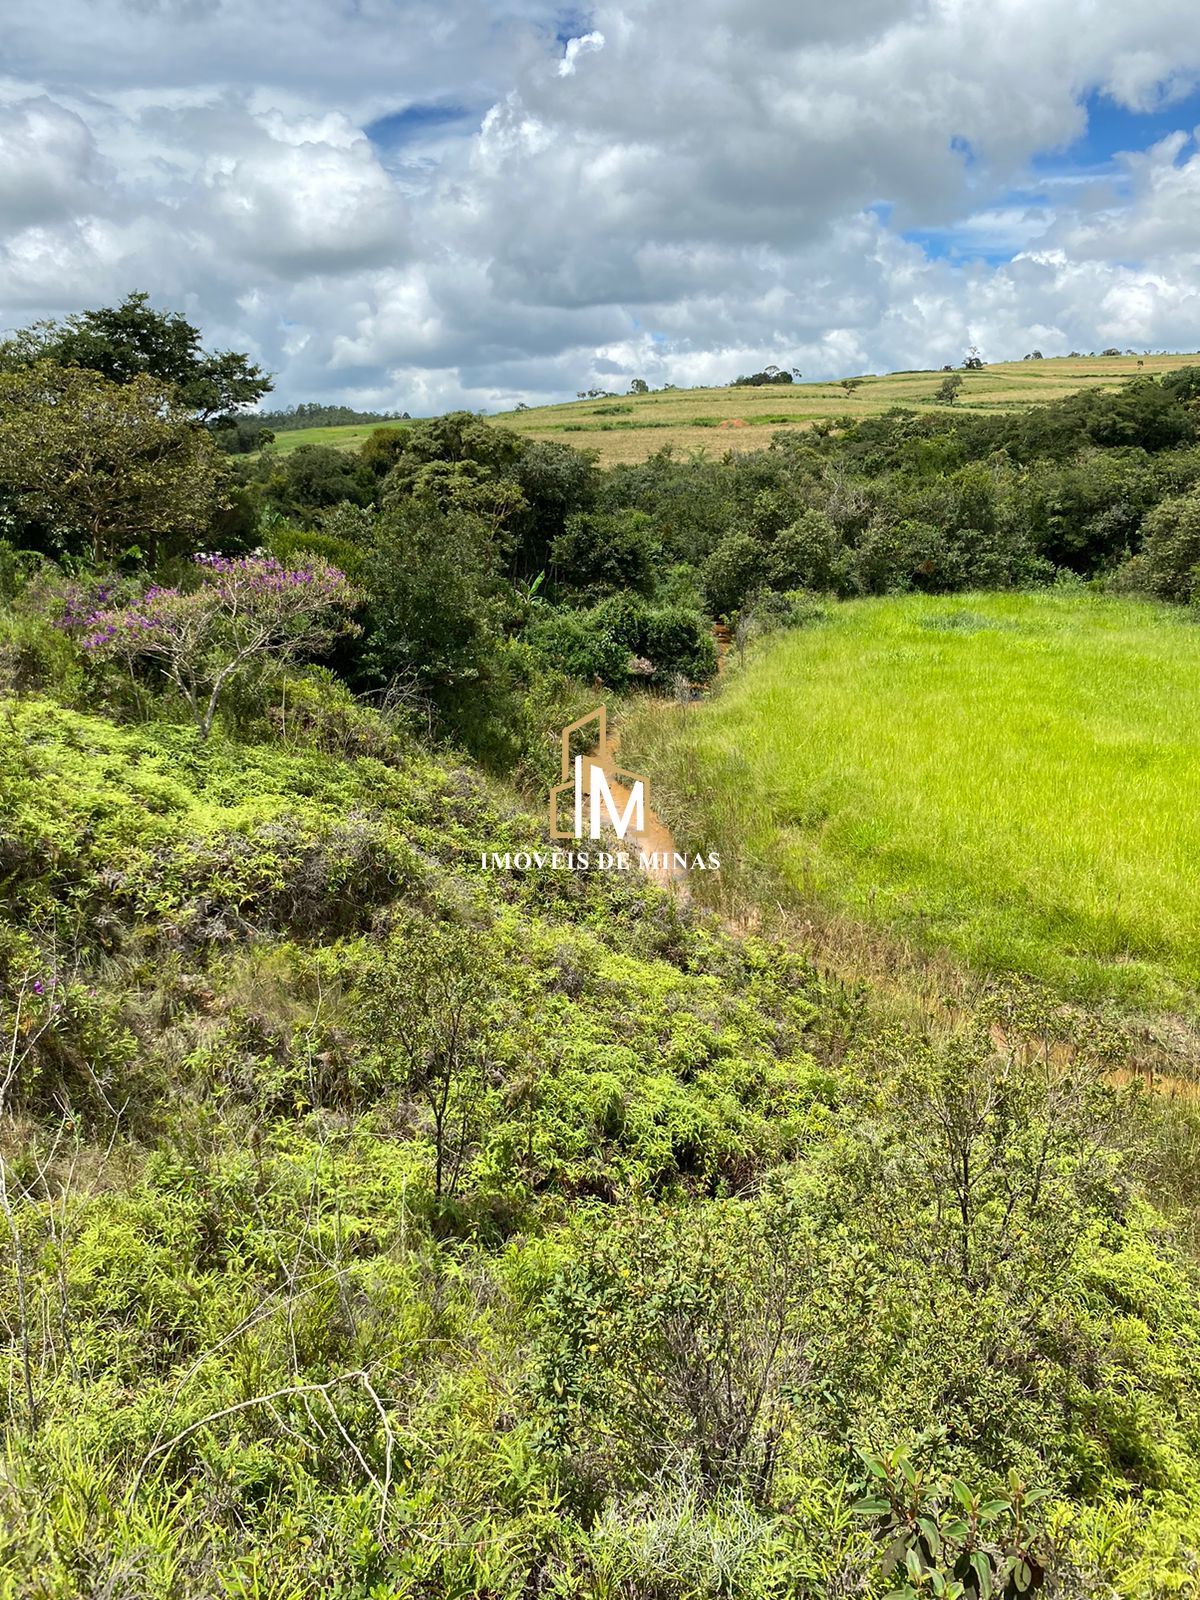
(605,553)
(1169,563)
(624,638)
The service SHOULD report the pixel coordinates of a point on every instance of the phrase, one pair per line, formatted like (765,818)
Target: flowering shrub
(243,608)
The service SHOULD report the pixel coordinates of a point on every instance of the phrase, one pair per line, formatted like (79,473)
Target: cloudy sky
(426,203)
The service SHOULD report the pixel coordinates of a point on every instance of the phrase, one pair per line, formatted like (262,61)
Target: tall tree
(134,340)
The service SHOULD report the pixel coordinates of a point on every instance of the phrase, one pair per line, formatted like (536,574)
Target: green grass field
(348,437)
(1011,778)
(632,427)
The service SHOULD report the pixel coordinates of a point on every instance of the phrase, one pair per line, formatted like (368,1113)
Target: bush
(1169,564)
(734,570)
(575,643)
(625,637)
(678,1334)
(603,553)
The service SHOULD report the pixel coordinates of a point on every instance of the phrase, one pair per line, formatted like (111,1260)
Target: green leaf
(962,1494)
(983,1572)
(894,1554)
(870,1506)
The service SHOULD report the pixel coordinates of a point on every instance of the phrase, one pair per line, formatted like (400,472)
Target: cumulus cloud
(49,164)
(472,203)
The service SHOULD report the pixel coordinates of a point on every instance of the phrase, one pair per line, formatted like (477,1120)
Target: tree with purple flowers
(241,610)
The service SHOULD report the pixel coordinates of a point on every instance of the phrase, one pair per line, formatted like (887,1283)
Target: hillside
(632,427)
(415,1231)
(392,1208)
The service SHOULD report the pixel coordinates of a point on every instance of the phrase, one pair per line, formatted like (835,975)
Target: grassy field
(632,427)
(348,437)
(1011,778)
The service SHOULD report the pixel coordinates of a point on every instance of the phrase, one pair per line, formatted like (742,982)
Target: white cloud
(575,48)
(645,197)
(49,165)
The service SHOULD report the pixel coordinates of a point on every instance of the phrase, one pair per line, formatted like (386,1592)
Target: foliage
(90,467)
(314,414)
(385,1215)
(768,375)
(131,341)
(943,1540)
(433,585)
(425,1005)
(1169,563)
(603,553)
(697,1241)
(625,637)
(240,435)
(242,610)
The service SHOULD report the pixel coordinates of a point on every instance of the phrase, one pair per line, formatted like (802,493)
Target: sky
(416,206)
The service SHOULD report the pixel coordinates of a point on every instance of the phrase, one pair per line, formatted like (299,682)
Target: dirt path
(656,841)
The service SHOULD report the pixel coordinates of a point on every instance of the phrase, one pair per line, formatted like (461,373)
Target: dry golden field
(632,427)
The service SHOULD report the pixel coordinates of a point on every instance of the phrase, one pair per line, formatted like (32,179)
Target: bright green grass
(347,436)
(1015,778)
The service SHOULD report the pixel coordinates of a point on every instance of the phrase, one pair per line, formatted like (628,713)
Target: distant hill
(630,427)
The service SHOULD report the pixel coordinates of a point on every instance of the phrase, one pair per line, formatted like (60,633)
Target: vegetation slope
(631,427)
(377,1226)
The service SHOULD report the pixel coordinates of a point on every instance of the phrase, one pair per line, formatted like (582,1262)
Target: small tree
(947,391)
(425,1010)
(102,468)
(241,611)
(973,360)
(850,384)
(639,386)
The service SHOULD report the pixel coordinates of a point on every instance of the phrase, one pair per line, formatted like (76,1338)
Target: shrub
(1169,563)
(242,610)
(603,553)
(808,554)
(733,570)
(574,643)
(105,470)
(680,1334)
(606,641)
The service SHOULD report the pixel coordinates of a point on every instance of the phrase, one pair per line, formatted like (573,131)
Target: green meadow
(1009,777)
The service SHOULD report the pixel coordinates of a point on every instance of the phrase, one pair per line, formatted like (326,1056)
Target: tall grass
(1012,778)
